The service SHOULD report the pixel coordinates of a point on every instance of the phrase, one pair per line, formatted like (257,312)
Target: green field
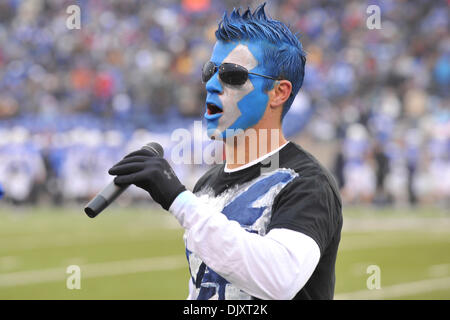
(139,254)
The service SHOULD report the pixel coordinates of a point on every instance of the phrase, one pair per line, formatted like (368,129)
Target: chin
(215,134)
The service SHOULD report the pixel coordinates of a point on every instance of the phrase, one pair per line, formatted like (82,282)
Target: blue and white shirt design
(250,204)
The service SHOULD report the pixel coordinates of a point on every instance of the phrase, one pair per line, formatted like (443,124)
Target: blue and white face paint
(242,106)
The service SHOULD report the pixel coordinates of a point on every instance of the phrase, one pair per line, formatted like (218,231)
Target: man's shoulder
(308,168)
(300,160)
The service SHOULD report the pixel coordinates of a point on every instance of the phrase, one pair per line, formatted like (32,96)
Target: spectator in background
(381,171)
(338,167)
(359,175)
(22,167)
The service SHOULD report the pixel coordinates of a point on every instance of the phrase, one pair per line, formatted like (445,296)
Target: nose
(213,85)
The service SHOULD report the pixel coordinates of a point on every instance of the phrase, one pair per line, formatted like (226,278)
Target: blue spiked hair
(284,57)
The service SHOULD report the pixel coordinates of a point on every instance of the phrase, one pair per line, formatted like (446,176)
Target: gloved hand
(151,173)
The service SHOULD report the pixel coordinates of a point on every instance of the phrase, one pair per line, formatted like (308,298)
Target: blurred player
(268,226)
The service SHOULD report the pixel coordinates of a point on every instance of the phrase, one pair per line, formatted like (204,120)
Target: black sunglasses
(229,73)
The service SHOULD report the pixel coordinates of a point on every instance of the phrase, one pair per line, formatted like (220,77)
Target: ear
(280,93)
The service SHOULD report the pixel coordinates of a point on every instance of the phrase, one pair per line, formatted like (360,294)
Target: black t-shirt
(291,190)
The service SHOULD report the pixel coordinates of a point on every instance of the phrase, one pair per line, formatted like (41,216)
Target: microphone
(105,197)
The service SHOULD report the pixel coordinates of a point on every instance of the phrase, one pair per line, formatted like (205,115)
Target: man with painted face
(266,223)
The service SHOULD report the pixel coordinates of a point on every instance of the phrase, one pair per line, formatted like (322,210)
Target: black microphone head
(154,148)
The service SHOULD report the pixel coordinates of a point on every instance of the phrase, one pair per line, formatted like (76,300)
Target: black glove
(151,173)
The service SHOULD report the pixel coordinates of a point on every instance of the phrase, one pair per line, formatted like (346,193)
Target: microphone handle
(104,199)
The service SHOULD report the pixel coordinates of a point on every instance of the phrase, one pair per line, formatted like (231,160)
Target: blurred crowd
(73,102)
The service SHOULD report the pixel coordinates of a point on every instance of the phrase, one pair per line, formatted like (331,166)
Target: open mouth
(213,109)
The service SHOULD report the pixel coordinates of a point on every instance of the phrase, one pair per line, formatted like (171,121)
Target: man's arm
(275,266)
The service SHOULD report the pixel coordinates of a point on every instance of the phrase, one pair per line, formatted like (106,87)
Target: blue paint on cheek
(254,104)
(252,107)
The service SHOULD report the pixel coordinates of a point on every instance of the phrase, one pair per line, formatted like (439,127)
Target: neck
(251,145)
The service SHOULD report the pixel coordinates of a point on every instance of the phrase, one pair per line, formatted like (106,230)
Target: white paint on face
(231,95)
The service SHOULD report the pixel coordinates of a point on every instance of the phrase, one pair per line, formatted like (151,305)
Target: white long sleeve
(274,266)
